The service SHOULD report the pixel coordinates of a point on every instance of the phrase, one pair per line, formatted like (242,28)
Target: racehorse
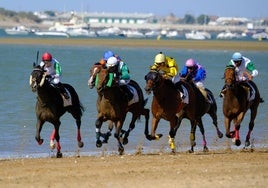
(167,104)
(112,105)
(236,103)
(50,107)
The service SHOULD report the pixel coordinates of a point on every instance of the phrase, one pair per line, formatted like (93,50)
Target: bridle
(37,80)
(153,81)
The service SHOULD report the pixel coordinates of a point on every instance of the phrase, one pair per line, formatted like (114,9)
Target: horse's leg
(119,125)
(253,115)
(57,138)
(107,135)
(154,136)
(52,138)
(146,113)
(39,126)
(214,118)
(172,133)
(79,139)
(192,135)
(202,130)
(98,125)
(227,123)
(236,137)
(131,127)
(77,116)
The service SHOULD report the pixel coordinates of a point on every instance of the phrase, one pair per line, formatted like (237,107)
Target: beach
(227,167)
(150,43)
(216,168)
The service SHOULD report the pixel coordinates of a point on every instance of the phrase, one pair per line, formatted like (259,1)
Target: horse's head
(37,78)
(103,79)
(229,75)
(94,70)
(153,79)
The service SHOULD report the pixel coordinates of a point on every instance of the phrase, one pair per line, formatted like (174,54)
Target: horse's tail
(81,107)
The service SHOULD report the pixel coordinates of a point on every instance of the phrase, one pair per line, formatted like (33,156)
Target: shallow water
(18,102)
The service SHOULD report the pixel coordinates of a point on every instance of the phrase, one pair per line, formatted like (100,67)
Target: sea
(17,101)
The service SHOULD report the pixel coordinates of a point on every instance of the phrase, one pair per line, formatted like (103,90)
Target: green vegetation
(17,16)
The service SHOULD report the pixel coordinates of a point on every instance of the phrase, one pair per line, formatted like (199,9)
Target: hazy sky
(229,8)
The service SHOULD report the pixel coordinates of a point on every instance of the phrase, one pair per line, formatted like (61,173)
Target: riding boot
(179,88)
(127,91)
(62,90)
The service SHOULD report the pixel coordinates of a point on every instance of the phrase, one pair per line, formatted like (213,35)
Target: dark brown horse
(236,104)
(50,107)
(112,105)
(168,105)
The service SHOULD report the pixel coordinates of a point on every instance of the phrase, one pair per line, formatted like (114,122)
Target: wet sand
(177,44)
(212,169)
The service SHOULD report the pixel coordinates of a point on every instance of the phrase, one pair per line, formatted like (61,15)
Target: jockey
(98,65)
(244,68)
(120,70)
(53,72)
(193,70)
(167,65)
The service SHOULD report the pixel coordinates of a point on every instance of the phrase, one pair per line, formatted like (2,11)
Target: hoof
(190,151)
(59,154)
(98,143)
(247,143)
(121,150)
(220,135)
(80,144)
(158,136)
(125,141)
(40,142)
(237,142)
(149,137)
(205,149)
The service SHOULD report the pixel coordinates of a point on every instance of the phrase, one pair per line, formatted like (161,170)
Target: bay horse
(112,105)
(50,107)
(167,104)
(236,103)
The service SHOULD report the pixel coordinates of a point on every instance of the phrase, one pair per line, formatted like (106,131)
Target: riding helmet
(46,57)
(237,56)
(160,58)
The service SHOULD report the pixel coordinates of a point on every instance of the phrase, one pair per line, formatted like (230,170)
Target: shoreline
(224,168)
(144,43)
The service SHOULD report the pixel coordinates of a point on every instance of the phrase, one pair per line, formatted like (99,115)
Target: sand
(213,169)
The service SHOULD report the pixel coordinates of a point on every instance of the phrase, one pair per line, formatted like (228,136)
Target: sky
(223,8)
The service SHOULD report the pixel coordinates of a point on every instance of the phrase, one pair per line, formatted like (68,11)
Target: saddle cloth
(67,102)
(135,95)
(251,93)
(186,94)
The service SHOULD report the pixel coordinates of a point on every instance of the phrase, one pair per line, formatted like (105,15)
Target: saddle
(249,89)
(65,94)
(135,96)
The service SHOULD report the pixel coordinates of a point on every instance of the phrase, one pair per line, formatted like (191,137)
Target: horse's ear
(34,64)
(145,77)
